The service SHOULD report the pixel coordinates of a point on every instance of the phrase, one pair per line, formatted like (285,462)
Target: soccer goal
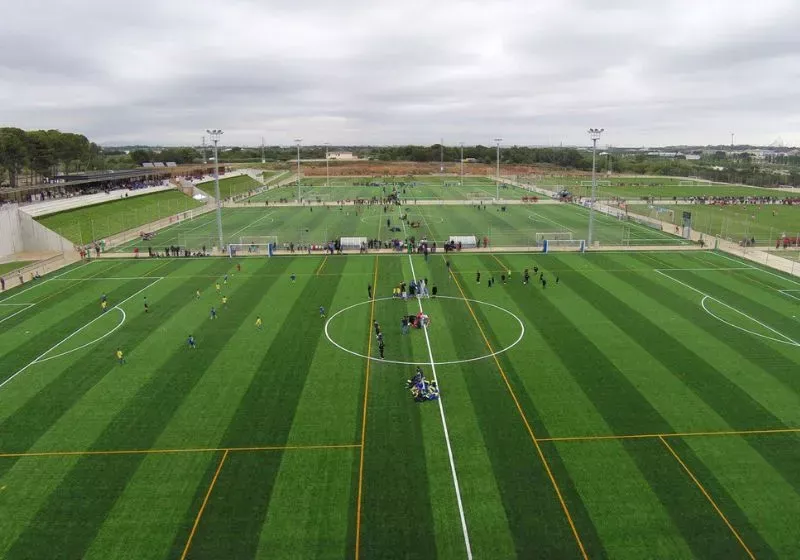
(258,240)
(564,245)
(251,249)
(352,242)
(553,236)
(467,241)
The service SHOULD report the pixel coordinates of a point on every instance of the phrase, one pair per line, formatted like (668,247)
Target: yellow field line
(708,497)
(175,451)
(527,424)
(321,266)
(501,263)
(676,434)
(203,505)
(364,412)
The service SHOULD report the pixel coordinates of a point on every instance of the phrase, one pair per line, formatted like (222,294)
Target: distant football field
(517,226)
(640,405)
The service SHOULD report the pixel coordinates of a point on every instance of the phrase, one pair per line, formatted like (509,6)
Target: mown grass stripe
(137,425)
(555,489)
(608,387)
(265,414)
(364,413)
(733,404)
(397,516)
(708,497)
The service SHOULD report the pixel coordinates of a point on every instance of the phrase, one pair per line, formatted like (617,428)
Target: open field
(231,186)
(516,227)
(14,265)
(84,225)
(424,188)
(645,406)
(737,221)
(632,188)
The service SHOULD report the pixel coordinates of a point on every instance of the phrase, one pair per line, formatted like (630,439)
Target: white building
(342,155)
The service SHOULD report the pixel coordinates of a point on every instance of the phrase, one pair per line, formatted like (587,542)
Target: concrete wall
(37,238)
(10,235)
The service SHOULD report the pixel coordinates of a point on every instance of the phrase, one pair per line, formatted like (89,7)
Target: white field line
(48,280)
(105,278)
(545,218)
(785,338)
(99,338)
(784,292)
(25,307)
(57,344)
(254,222)
(444,422)
(759,268)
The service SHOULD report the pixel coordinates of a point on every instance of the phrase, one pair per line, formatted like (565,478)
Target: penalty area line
(41,357)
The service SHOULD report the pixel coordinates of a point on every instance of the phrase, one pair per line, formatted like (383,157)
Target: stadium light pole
(594,134)
(297,141)
(498,140)
(215,135)
(461,144)
(327,166)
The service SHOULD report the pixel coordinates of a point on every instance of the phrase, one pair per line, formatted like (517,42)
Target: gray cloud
(387,72)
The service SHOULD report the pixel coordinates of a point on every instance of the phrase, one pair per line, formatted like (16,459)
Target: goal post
(258,240)
(564,245)
(251,249)
(553,236)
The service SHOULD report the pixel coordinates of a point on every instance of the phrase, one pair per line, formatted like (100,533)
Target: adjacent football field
(517,226)
(638,406)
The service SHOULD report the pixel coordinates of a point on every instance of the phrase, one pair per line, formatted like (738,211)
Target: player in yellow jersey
(259,323)
(217,286)
(224,301)
(197,294)
(104,305)
(120,357)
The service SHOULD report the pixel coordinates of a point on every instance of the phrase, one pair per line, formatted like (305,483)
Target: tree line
(43,153)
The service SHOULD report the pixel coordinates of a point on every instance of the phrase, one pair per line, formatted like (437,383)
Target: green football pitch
(414,188)
(516,227)
(638,406)
(634,188)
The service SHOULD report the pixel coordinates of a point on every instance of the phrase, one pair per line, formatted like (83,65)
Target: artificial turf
(649,409)
(231,186)
(517,226)
(90,223)
(13,265)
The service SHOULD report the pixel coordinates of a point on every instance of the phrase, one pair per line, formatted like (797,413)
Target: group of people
(421,388)
(415,288)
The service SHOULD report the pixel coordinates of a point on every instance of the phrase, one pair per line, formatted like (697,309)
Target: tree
(139,156)
(13,152)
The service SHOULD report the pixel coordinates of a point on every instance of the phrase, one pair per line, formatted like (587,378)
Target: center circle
(465,360)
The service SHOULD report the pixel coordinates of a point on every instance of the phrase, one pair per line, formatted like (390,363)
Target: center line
(444,421)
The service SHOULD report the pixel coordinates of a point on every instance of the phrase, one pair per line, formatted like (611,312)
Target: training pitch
(638,406)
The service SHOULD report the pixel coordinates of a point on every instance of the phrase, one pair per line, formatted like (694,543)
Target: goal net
(553,236)
(599,183)
(258,240)
(564,245)
(251,249)
(352,242)
(467,241)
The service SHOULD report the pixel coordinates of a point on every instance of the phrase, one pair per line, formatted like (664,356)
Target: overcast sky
(376,72)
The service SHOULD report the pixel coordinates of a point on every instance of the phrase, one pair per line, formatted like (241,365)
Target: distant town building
(342,155)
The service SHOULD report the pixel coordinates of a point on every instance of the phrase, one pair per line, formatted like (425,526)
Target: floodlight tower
(461,144)
(594,134)
(205,159)
(298,141)
(263,157)
(215,135)
(441,156)
(327,166)
(498,140)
